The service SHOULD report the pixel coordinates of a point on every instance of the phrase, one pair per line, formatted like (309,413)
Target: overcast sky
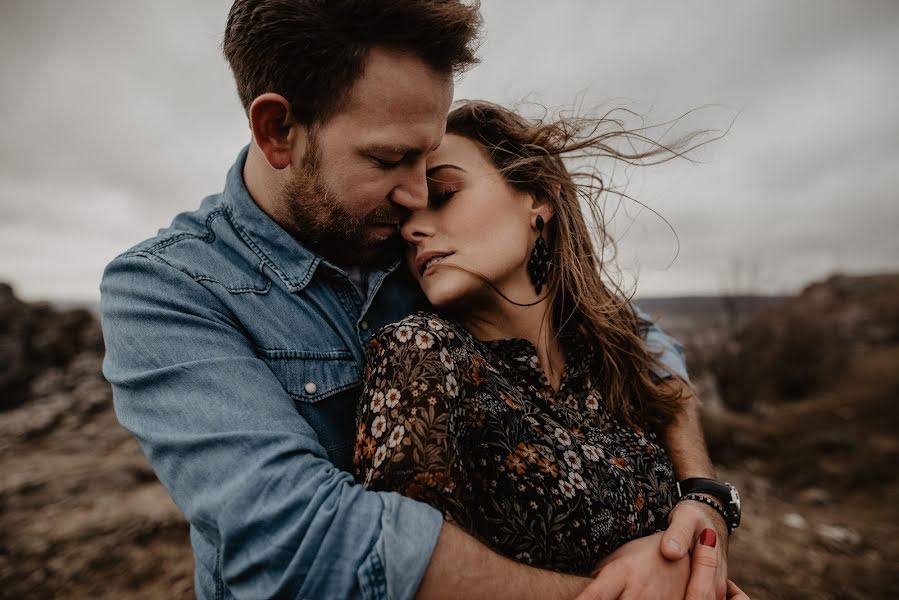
(115,115)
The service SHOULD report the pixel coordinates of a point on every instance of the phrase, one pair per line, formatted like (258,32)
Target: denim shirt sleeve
(668,350)
(240,462)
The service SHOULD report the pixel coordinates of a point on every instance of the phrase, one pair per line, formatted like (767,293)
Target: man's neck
(264,183)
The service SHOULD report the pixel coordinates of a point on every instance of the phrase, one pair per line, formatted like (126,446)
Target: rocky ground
(805,425)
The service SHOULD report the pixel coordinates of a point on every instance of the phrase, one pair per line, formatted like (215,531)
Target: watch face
(735,501)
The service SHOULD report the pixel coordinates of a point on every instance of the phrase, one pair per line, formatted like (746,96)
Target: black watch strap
(725,493)
(714,504)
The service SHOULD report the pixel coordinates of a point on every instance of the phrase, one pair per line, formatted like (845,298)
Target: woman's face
(475,220)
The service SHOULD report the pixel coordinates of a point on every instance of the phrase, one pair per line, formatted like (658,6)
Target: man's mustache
(388,214)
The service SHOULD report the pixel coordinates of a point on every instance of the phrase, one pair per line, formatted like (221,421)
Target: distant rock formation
(81,512)
(36,339)
(819,340)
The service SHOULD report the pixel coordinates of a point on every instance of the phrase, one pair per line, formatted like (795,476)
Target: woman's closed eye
(437,198)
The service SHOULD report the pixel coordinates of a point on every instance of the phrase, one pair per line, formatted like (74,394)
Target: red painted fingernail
(708,538)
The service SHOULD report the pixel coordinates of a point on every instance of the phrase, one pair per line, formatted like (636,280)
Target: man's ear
(272,122)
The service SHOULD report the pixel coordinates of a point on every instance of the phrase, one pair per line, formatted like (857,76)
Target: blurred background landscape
(800,412)
(772,254)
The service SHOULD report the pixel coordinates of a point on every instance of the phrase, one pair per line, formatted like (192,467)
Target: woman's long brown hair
(584,295)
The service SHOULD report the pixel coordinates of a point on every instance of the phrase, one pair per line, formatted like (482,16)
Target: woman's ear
(273,125)
(544,208)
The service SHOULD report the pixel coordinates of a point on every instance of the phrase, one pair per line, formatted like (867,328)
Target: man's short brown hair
(312,51)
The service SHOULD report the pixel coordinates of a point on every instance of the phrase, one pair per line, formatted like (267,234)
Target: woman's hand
(688,519)
(703,585)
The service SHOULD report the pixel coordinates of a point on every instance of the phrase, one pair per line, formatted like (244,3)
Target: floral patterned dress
(475,429)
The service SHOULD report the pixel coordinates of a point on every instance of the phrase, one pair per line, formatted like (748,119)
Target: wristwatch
(725,493)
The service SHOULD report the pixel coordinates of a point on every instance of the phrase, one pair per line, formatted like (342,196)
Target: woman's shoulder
(424,322)
(423,330)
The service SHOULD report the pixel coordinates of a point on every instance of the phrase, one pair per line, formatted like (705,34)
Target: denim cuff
(409,532)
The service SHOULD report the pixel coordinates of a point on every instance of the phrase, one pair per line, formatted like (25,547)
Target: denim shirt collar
(289,259)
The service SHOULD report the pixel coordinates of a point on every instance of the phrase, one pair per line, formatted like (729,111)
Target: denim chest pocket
(313,376)
(325,387)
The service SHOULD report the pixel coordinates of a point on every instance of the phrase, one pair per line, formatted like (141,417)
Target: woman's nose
(417,227)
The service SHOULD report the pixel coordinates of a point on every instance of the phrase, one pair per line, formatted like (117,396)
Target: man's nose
(412,191)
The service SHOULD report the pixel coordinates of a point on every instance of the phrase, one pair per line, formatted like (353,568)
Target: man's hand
(637,570)
(685,523)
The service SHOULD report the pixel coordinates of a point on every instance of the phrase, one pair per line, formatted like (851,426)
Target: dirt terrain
(801,414)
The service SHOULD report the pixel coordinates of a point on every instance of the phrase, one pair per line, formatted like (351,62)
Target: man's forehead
(398,106)
(396,87)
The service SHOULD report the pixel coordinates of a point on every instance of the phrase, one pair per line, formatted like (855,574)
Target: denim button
(310,388)
(363,325)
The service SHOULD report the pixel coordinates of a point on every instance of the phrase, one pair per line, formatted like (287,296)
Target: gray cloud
(116,115)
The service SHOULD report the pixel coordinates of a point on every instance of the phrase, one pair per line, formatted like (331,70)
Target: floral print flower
(393,397)
(380,455)
(452,387)
(379,426)
(396,436)
(368,447)
(573,460)
(548,467)
(424,340)
(563,436)
(567,488)
(446,359)
(403,334)
(377,402)
(591,452)
(592,401)
(515,463)
(577,480)
(527,452)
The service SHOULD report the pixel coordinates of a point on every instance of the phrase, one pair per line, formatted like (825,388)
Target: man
(235,337)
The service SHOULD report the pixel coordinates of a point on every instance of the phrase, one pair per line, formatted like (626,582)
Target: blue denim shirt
(235,356)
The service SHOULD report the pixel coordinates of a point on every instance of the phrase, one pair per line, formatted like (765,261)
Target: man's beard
(326,227)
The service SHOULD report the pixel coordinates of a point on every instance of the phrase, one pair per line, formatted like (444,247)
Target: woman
(528,409)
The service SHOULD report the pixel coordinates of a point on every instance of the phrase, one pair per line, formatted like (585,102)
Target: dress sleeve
(406,435)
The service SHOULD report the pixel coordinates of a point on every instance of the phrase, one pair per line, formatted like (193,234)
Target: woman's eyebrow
(433,170)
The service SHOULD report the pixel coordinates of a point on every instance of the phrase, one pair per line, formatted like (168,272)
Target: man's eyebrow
(433,170)
(392,149)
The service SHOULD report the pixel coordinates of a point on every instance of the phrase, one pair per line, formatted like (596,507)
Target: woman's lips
(432,262)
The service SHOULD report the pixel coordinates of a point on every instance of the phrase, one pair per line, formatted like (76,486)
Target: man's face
(363,170)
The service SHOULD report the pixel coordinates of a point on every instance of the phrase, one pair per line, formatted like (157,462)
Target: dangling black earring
(538,263)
